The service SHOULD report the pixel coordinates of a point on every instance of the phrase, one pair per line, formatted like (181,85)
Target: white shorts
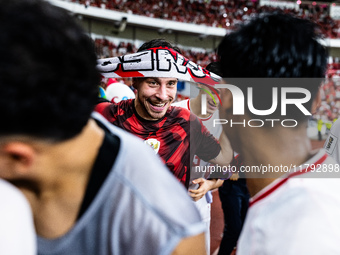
(204,208)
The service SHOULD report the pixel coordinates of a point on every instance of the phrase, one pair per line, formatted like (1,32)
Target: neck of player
(58,181)
(284,149)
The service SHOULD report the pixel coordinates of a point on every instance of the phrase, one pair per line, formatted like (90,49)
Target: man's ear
(20,156)
(136,82)
(316,103)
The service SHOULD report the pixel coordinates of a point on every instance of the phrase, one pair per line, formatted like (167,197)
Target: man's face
(154,96)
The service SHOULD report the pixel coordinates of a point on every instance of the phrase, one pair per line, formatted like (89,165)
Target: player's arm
(226,155)
(204,187)
(194,245)
(209,149)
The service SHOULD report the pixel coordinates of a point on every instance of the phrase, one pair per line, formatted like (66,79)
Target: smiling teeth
(159,105)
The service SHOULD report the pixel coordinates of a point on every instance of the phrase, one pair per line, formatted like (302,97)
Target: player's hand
(234,177)
(204,187)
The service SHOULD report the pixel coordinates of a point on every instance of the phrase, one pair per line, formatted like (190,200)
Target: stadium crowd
(133,187)
(226,14)
(330,107)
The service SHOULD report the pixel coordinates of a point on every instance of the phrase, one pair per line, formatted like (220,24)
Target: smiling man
(174,133)
(155,96)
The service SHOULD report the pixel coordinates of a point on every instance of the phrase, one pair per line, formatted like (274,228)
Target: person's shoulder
(121,104)
(158,199)
(138,162)
(106,107)
(15,215)
(320,182)
(335,129)
(15,210)
(306,189)
(302,201)
(127,102)
(180,112)
(11,196)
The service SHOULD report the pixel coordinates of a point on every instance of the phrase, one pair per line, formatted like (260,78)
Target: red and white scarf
(156,62)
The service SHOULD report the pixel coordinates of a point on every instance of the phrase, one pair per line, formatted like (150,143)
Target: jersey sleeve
(107,110)
(115,113)
(204,144)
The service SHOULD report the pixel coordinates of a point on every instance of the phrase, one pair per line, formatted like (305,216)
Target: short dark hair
(274,46)
(48,76)
(158,43)
(154,43)
(214,67)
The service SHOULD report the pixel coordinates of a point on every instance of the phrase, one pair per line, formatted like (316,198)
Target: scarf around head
(156,62)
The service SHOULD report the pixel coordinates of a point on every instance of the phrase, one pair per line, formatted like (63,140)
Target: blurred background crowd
(228,14)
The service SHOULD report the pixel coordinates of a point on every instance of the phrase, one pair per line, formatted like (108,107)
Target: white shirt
(295,215)
(17,235)
(133,211)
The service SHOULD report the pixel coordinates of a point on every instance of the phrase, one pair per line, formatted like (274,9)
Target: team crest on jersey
(154,143)
(332,140)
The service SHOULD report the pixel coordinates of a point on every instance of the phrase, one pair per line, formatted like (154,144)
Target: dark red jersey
(176,137)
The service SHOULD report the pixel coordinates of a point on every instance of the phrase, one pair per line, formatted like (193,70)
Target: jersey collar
(317,159)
